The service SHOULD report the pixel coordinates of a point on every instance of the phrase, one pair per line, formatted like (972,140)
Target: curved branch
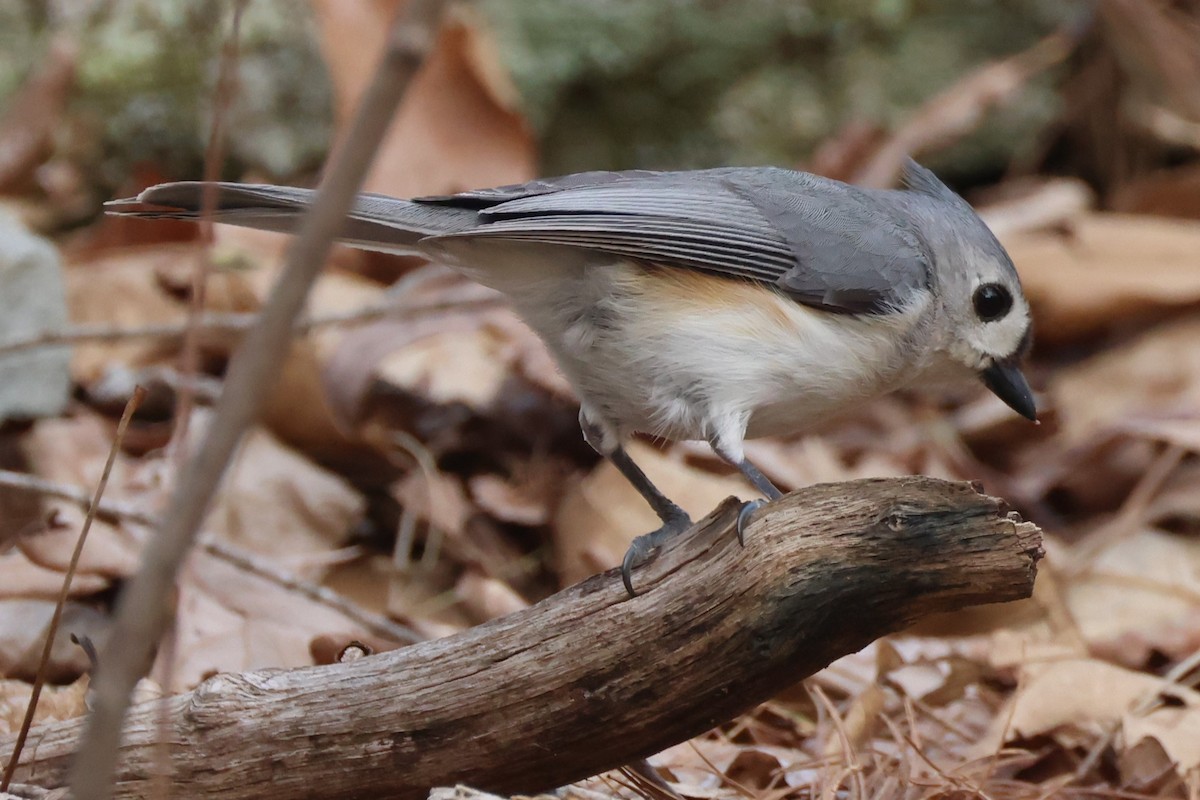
(590,679)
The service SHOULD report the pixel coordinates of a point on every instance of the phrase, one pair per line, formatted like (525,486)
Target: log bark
(590,679)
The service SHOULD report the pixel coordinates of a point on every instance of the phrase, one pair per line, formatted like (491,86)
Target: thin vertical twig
(142,609)
(214,158)
(39,680)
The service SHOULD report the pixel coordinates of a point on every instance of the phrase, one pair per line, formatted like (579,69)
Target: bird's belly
(676,353)
(680,355)
(799,413)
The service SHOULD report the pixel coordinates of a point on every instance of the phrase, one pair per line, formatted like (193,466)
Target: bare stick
(372,623)
(399,300)
(214,157)
(112,510)
(230,323)
(39,679)
(589,679)
(143,610)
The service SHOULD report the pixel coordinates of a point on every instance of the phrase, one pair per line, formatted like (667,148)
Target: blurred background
(419,468)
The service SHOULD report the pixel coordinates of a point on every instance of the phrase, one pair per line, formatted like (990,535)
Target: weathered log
(590,679)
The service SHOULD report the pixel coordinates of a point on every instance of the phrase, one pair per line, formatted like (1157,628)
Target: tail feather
(376,222)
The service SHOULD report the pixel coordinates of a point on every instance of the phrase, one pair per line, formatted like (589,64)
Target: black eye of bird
(992,301)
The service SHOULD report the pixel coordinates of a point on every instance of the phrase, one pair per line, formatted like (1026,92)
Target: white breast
(772,365)
(682,355)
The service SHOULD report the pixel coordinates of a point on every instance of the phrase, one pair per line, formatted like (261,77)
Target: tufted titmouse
(715,304)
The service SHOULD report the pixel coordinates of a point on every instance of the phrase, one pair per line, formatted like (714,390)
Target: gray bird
(711,305)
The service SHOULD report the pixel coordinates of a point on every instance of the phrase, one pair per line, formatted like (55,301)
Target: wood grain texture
(590,679)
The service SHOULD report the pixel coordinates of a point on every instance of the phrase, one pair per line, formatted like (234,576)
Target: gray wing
(821,242)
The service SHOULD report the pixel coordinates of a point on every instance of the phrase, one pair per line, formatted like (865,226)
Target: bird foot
(744,517)
(641,547)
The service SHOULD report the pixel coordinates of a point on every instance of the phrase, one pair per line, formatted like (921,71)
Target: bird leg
(735,458)
(757,479)
(674,519)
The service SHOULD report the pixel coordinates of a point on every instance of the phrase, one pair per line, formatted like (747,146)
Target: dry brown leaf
(1177,731)
(859,721)
(377,584)
(1171,192)
(461,81)
(1182,432)
(23,625)
(276,501)
(119,289)
(350,372)
(436,498)
(422,598)
(23,578)
(297,408)
(1009,649)
(468,367)
(1156,46)
(1141,594)
(56,703)
(1154,377)
(247,271)
(352,36)
(1107,269)
(755,768)
(34,112)
(805,461)
(527,496)
(299,412)
(339,292)
(601,514)
(1083,693)
(456,356)
(487,598)
(958,110)
(72,451)
(111,551)
(1083,699)
(692,764)
(471,365)
(1144,765)
(1177,502)
(229,620)
(363,580)
(1037,204)
(456,127)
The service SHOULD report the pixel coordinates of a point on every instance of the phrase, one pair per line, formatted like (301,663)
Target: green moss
(698,82)
(145,81)
(606,83)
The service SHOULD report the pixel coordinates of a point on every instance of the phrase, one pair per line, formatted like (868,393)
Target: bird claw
(743,518)
(641,547)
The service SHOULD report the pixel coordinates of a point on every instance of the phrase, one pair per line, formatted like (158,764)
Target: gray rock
(33,383)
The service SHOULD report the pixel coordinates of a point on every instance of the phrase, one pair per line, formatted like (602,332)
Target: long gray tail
(376,222)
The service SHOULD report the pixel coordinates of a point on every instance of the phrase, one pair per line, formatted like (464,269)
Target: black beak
(1006,382)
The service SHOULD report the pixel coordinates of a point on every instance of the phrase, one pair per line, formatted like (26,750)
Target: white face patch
(982,329)
(998,339)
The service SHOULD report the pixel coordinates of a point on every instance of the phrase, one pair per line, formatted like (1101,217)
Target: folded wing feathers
(725,221)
